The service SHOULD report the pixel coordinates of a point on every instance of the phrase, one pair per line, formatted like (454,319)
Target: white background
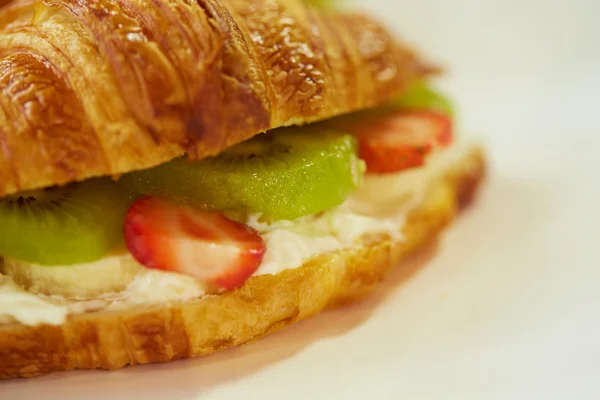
(508,307)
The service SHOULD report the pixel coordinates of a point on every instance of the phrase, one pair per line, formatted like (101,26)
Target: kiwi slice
(284,174)
(421,96)
(62,226)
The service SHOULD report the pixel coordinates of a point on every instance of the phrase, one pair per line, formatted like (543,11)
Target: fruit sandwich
(179,177)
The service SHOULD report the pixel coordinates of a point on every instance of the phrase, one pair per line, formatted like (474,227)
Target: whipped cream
(291,243)
(26,308)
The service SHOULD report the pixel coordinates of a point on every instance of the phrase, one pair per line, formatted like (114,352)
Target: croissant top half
(103,87)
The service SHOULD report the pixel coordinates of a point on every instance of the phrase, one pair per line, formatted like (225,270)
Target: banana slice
(75,282)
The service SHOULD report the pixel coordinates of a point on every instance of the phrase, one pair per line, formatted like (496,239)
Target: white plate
(508,306)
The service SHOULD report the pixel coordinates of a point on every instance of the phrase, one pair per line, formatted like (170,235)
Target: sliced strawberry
(401,139)
(206,245)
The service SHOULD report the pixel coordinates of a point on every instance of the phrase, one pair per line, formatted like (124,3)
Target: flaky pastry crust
(104,87)
(162,333)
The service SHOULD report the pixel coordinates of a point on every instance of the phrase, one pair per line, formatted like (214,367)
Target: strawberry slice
(401,139)
(206,245)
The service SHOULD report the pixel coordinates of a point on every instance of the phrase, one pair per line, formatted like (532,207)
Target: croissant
(104,87)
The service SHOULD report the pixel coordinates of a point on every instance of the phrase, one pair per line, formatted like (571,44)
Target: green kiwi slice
(422,96)
(74,224)
(284,174)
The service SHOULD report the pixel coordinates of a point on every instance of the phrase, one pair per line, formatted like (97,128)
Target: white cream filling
(378,206)
(28,309)
(291,243)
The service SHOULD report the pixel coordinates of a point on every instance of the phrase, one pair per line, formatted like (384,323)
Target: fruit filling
(192,218)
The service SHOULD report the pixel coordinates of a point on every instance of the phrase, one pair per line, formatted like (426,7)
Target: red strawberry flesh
(401,140)
(205,245)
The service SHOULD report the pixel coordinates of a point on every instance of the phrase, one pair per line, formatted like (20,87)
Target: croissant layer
(104,87)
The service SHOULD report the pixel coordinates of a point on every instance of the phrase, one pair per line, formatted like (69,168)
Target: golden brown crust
(111,340)
(104,87)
